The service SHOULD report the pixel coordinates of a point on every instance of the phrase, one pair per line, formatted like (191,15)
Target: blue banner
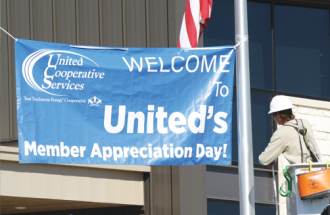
(130,106)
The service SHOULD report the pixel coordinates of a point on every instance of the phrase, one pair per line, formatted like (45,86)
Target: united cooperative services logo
(60,71)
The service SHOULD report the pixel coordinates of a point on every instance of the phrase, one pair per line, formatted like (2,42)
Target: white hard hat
(279,103)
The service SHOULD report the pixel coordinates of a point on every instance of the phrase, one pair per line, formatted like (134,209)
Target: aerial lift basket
(314,185)
(308,188)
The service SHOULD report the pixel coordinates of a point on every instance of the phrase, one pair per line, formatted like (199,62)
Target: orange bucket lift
(308,188)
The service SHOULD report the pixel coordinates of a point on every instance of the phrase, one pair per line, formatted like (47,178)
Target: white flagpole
(244,124)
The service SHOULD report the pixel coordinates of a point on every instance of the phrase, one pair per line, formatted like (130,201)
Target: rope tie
(241,39)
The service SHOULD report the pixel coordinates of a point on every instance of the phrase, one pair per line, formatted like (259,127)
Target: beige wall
(317,113)
(103,184)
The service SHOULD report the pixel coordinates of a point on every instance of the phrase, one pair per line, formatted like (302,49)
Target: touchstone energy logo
(94,101)
(59,71)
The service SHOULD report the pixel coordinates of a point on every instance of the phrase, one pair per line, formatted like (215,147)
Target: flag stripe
(184,40)
(204,9)
(190,25)
(195,12)
(195,19)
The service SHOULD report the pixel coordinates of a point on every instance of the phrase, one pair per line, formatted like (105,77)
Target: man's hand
(270,166)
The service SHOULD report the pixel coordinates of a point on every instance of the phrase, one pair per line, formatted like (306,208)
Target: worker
(285,139)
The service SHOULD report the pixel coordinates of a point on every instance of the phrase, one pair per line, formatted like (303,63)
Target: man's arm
(270,166)
(273,150)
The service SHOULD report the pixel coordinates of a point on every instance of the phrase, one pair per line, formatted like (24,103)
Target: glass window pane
(221,207)
(302,50)
(221,31)
(261,124)
(262,209)
(260,45)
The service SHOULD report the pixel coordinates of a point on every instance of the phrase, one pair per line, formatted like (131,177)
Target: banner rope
(98,47)
(207,48)
(241,39)
(8,33)
(238,42)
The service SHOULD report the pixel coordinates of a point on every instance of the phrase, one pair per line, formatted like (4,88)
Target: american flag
(195,19)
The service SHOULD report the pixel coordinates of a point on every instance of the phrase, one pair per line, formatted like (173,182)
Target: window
(261,124)
(260,45)
(289,55)
(220,207)
(221,31)
(302,50)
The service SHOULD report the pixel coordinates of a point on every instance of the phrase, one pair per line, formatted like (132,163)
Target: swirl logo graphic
(65,59)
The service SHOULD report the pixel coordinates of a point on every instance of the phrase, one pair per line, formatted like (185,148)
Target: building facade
(289,55)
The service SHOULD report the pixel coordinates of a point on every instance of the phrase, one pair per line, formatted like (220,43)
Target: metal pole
(244,124)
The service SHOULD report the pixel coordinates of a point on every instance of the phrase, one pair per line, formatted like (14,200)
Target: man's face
(277,118)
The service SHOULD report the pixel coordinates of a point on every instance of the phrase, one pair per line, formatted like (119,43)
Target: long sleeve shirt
(285,140)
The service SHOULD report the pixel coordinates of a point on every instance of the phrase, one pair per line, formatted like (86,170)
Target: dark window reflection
(221,31)
(262,209)
(261,124)
(302,50)
(260,45)
(220,207)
